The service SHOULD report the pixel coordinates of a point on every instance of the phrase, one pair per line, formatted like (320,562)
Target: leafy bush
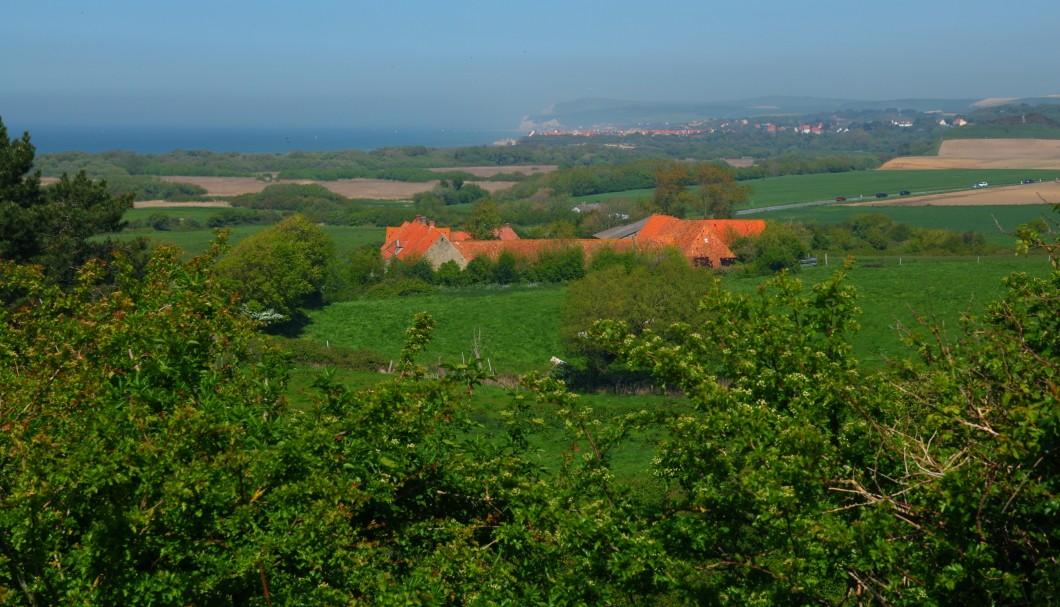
(153,188)
(400,287)
(234,217)
(289,197)
(311,353)
(281,268)
(778,247)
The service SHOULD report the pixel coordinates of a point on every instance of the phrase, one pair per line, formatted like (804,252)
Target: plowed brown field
(378,189)
(985,154)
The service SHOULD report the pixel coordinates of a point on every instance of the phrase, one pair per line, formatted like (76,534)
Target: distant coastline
(51,139)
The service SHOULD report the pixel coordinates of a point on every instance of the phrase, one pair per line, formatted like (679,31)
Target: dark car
(1028,181)
(840,198)
(881,194)
(904,193)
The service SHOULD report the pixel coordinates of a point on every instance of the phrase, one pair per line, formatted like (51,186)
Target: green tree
(748,503)
(129,457)
(479,271)
(148,456)
(280,268)
(53,226)
(21,199)
(654,292)
(485,217)
(779,247)
(366,267)
(719,192)
(505,270)
(671,195)
(560,265)
(449,274)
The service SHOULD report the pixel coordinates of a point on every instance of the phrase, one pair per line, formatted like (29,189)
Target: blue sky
(487,63)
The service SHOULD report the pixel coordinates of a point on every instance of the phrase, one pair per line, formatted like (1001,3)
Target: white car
(981,184)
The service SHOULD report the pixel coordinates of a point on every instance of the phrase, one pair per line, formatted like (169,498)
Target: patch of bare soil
(490,171)
(222,186)
(739,163)
(1045,192)
(985,154)
(377,189)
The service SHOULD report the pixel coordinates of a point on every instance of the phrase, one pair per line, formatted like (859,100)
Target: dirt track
(1047,192)
(985,154)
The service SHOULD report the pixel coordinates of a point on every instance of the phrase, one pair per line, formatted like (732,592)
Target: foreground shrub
(400,287)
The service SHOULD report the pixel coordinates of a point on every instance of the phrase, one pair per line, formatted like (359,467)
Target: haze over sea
(50,139)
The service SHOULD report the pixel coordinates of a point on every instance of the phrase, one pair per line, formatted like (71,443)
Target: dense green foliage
(149,457)
(794,479)
(153,188)
(280,269)
(449,192)
(799,480)
(52,226)
(638,290)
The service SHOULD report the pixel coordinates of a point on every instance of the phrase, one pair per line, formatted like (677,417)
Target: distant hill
(590,112)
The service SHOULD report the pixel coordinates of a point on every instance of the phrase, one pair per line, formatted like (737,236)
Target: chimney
(431,224)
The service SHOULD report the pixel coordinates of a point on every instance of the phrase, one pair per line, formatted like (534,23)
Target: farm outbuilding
(705,242)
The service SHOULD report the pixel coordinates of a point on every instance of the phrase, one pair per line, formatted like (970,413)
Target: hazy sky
(487,63)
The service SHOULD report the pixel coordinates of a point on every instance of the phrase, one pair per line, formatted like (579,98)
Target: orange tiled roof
(532,249)
(410,239)
(699,238)
(704,239)
(503,233)
(736,228)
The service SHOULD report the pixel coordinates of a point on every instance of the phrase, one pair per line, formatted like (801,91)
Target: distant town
(832,124)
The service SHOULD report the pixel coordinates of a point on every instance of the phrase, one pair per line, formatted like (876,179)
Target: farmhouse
(705,242)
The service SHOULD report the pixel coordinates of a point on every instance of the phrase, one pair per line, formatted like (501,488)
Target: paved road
(781,207)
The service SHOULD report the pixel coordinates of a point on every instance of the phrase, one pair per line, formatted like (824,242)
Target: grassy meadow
(516,327)
(894,291)
(991,221)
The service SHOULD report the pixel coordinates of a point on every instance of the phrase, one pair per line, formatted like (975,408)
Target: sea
(49,139)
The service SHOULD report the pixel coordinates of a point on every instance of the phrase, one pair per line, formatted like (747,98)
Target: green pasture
(789,189)
(347,238)
(991,221)
(1004,131)
(827,186)
(200,214)
(893,291)
(517,327)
